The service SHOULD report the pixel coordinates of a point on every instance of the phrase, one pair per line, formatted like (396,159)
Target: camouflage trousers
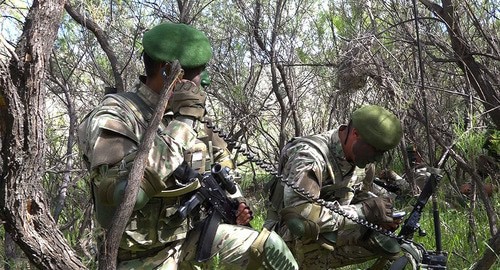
(230,250)
(347,247)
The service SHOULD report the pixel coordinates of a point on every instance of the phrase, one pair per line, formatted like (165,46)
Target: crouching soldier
(330,166)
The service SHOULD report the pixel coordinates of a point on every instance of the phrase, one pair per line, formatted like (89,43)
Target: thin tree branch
(103,41)
(109,252)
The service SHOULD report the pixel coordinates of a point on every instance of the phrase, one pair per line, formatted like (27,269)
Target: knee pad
(411,258)
(386,246)
(271,252)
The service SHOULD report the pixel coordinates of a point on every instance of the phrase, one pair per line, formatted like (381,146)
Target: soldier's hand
(243,215)
(378,210)
(188,99)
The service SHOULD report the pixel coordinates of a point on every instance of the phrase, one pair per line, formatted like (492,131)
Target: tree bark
(24,206)
(490,254)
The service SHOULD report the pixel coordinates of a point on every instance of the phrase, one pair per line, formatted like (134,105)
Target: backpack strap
(143,114)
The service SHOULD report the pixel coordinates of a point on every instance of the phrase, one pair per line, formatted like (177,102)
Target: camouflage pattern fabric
(114,125)
(231,243)
(395,181)
(341,241)
(301,158)
(155,238)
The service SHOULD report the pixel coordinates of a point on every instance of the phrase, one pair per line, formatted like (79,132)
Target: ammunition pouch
(196,157)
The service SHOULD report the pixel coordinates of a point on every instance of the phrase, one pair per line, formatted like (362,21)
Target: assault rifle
(430,259)
(212,194)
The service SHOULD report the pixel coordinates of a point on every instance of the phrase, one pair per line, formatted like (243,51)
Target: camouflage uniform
(329,240)
(155,237)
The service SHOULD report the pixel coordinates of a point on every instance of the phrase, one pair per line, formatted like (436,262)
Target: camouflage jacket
(336,180)
(109,140)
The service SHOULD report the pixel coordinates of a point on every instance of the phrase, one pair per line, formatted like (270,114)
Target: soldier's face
(363,153)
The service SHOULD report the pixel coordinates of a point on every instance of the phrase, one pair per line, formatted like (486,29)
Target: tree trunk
(25,208)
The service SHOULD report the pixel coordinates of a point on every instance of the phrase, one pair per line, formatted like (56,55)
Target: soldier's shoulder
(113,103)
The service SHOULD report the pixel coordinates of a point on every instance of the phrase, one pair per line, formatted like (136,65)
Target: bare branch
(103,41)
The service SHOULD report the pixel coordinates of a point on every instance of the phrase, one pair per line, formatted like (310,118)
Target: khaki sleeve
(303,168)
(306,168)
(110,148)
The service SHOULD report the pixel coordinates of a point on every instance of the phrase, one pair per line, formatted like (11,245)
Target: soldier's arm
(305,167)
(222,155)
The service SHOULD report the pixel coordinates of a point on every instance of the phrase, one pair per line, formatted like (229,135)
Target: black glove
(378,210)
(188,99)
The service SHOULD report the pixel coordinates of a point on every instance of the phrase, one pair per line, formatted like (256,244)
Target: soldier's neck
(155,83)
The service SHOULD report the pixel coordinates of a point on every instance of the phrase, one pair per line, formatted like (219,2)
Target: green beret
(377,126)
(170,41)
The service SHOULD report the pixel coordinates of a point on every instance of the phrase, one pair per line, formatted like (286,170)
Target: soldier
(329,166)
(156,235)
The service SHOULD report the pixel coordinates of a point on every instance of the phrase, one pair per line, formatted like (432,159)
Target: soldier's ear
(354,132)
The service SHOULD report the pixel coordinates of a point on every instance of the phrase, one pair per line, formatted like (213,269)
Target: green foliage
(469,142)
(20,262)
(258,220)
(455,228)
(340,24)
(493,142)
(216,262)
(305,32)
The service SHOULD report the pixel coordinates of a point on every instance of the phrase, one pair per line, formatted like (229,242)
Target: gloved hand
(378,210)
(188,99)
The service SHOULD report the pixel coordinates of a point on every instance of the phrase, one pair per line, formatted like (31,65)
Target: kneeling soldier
(158,235)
